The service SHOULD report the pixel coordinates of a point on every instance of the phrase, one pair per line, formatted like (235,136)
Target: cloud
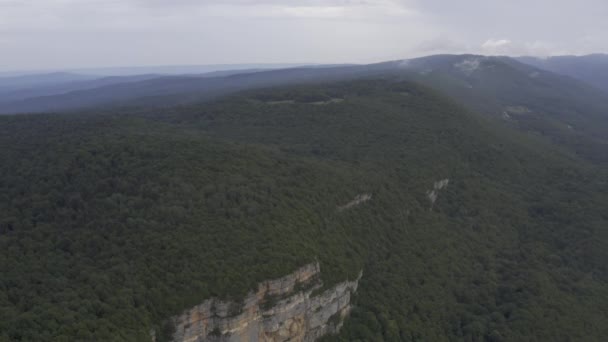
(330,9)
(81,33)
(313,12)
(442,44)
(496,46)
(493,45)
(511,48)
(108,15)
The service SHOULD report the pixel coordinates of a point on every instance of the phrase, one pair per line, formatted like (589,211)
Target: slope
(60,86)
(592,69)
(561,109)
(172,90)
(112,223)
(25,81)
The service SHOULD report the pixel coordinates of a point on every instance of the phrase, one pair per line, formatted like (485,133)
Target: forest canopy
(112,221)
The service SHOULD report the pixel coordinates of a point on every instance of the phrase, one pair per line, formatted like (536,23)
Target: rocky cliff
(291,308)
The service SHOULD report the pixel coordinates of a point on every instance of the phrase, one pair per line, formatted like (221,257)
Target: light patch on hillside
(517,110)
(280,102)
(437,186)
(334,100)
(468,66)
(317,103)
(358,200)
(404,63)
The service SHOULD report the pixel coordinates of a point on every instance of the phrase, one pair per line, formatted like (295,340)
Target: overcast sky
(52,34)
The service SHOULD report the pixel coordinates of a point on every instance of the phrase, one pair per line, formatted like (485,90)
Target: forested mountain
(592,69)
(181,89)
(25,81)
(115,219)
(559,108)
(168,70)
(43,92)
(15,91)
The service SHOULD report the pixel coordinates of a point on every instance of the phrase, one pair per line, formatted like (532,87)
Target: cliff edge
(291,308)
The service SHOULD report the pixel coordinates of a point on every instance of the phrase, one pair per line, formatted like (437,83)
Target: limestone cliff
(284,309)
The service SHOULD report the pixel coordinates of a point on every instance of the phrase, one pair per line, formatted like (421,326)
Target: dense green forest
(112,221)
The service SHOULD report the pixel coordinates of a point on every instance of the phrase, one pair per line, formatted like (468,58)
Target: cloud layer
(57,34)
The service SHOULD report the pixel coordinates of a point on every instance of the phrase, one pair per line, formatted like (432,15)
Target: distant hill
(559,107)
(592,69)
(170,90)
(183,69)
(24,89)
(18,86)
(154,69)
(25,81)
(57,86)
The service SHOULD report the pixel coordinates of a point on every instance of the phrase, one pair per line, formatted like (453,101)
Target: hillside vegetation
(557,108)
(592,69)
(114,221)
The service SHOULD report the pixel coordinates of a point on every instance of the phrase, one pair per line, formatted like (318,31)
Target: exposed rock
(281,310)
(437,186)
(326,102)
(359,199)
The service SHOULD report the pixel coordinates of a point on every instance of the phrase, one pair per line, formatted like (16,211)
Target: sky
(71,34)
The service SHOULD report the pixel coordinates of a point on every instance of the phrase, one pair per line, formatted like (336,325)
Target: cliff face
(283,309)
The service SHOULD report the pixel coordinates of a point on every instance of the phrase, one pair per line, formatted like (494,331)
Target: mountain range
(592,69)
(69,91)
(462,196)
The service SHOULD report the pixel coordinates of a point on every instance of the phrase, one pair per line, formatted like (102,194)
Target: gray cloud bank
(47,34)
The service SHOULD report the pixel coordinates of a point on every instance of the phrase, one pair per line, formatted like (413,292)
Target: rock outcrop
(437,186)
(359,199)
(284,309)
